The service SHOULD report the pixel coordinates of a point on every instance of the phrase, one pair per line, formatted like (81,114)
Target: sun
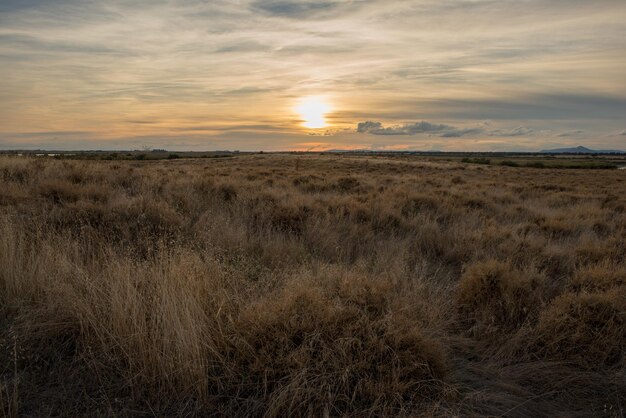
(313,110)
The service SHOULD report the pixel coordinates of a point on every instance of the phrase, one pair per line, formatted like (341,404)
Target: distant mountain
(580,150)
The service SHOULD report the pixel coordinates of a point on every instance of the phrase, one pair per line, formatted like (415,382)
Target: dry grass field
(310,285)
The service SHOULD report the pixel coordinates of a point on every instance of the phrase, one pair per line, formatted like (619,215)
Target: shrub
(479,160)
(600,277)
(308,351)
(59,191)
(15,174)
(289,219)
(311,184)
(492,297)
(226,192)
(347,184)
(585,328)
(556,262)
(558,228)
(419,203)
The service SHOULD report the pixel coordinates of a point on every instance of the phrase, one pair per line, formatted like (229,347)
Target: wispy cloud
(300,9)
(576,132)
(517,131)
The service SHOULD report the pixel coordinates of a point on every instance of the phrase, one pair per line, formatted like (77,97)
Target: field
(311,285)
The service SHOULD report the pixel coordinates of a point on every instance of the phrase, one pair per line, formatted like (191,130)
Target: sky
(449,75)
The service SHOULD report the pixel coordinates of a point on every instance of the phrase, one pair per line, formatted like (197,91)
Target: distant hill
(580,150)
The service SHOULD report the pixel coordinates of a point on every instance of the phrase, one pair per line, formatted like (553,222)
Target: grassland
(317,285)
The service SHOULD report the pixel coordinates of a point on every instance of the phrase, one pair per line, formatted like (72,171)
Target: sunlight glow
(313,112)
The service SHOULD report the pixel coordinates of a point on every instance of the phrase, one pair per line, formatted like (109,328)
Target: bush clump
(587,329)
(347,184)
(343,353)
(598,277)
(492,297)
(419,203)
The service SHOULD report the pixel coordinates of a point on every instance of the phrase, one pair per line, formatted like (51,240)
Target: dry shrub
(419,203)
(289,218)
(558,228)
(599,277)
(310,183)
(160,322)
(77,174)
(308,351)
(609,201)
(14,194)
(18,174)
(588,329)
(493,297)
(556,262)
(144,325)
(226,192)
(222,191)
(476,203)
(144,214)
(59,191)
(602,229)
(551,188)
(128,180)
(203,186)
(388,223)
(592,250)
(439,244)
(347,184)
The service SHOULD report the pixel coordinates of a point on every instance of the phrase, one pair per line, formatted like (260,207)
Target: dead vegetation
(268,285)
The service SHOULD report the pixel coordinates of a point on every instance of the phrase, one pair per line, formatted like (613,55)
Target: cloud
(527,106)
(240,47)
(376,128)
(20,42)
(46,134)
(518,131)
(294,9)
(16,5)
(442,130)
(369,127)
(575,132)
(457,133)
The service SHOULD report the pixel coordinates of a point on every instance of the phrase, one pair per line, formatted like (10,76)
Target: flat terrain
(321,285)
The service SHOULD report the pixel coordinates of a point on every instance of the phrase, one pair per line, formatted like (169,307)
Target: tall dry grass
(310,285)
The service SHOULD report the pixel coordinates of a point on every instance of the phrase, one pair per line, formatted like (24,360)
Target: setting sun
(313,112)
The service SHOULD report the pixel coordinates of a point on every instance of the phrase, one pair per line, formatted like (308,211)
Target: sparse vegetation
(310,285)
(547,162)
(477,160)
